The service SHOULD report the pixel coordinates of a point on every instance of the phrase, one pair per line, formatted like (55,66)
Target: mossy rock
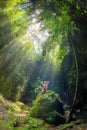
(48,107)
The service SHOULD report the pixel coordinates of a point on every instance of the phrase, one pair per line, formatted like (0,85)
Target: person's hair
(45,82)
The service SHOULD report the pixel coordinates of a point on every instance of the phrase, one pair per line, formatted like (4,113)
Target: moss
(35,123)
(49,108)
(20,105)
(13,107)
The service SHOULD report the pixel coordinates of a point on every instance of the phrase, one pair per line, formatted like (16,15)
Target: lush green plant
(13,25)
(48,107)
(55,118)
(20,105)
(36,87)
(8,121)
(35,123)
(13,107)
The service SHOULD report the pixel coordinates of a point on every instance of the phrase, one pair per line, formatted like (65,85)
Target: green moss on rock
(48,107)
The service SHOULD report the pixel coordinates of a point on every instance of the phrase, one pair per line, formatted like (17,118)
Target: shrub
(35,123)
(48,107)
(55,118)
(8,122)
(20,105)
(13,107)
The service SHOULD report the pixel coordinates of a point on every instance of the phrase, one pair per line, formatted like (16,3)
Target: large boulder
(48,107)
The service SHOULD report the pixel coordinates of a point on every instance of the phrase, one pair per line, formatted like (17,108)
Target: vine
(77,76)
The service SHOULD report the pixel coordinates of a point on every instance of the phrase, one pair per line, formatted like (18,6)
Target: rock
(49,108)
(3,110)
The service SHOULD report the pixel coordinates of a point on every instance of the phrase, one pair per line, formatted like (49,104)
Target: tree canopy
(43,40)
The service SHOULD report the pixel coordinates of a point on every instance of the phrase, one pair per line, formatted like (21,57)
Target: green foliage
(20,105)
(11,22)
(35,123)
(48,107)
(55,118)
(59,24)
(13,107)
(71,76)
(36,88)
(14,50)
(8,122)
(1,98)
(17,56)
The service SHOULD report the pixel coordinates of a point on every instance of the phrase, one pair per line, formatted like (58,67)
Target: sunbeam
(36,33)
